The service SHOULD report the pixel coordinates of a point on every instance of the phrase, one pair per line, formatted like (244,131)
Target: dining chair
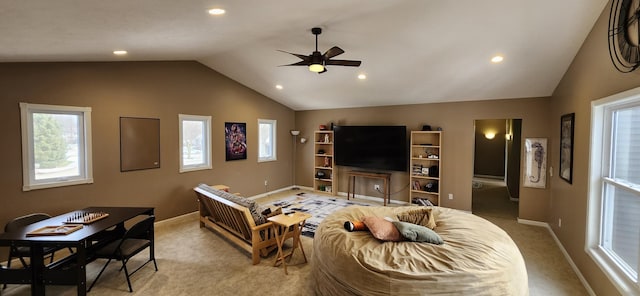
(21,252)
(136,239)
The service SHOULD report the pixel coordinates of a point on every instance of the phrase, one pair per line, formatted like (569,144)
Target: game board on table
(85,217)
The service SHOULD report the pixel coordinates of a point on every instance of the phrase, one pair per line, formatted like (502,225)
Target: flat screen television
(371,147)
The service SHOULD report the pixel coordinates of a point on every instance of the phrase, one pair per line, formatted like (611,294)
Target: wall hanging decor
(566,147)
(235,140)
(624,34)
(535,171)
(139,143)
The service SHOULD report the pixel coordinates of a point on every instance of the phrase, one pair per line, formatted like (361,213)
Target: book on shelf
(422,202)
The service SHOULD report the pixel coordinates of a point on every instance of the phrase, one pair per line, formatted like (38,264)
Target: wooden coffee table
(295,221)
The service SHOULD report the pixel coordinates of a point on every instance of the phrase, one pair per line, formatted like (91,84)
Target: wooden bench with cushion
(238,219)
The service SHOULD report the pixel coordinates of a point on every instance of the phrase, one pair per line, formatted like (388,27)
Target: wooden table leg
(37,267)
(385,195)
(297,238)
(280,256)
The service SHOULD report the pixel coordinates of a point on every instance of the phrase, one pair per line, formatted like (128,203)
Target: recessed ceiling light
(362,76)
(119,52)
(217,11)
(278,86)
(497,59)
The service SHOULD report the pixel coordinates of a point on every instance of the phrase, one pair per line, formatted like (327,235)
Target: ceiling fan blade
(301,56)
(348,63)
(332,52)
(300,63)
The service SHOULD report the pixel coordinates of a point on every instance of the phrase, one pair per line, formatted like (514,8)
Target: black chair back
(141,229)
(23,221)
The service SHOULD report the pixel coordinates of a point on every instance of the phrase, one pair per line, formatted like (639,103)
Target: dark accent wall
(514,154)
(490,154)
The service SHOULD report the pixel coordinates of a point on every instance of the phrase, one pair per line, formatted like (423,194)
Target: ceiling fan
(317,62)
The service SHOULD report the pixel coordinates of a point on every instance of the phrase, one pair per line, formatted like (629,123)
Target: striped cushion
(255,209)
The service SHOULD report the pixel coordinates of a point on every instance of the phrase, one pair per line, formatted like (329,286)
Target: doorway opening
(496,168)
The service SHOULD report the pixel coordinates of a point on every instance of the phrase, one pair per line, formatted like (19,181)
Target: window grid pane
(626,146)
(193,146)
(622,234)
(55,146)
(265,141)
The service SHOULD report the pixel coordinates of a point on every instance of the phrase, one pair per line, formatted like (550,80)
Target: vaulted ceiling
(411,51)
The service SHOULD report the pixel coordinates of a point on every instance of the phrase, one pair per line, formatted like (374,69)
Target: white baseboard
(261,195)
(157,223)
(563,250)
(534,223)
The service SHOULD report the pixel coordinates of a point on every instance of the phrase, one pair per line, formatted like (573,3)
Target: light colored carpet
(195,261)
(491,198)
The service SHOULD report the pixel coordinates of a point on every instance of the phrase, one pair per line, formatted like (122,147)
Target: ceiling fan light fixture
(316,68)
(318,62)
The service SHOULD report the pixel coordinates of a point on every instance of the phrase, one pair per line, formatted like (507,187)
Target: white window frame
(206,135)
(273,129)
(601,129)
(85,164)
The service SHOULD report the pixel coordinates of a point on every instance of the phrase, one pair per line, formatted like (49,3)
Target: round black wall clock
(624,34)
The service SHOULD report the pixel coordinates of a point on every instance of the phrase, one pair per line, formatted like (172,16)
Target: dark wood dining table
(71,269)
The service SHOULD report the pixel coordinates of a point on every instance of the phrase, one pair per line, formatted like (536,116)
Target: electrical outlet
(266,183)
(450,195)
(559,222)
(376,187)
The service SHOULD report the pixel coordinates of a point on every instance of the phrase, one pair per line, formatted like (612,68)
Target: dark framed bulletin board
(139,143)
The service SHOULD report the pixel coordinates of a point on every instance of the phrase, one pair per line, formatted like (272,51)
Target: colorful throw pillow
(422,216)
(382,229)
(417,233)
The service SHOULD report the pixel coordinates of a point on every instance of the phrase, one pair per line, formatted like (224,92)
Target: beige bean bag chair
(476,258)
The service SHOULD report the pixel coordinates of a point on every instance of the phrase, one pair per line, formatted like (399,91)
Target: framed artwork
(139,143)
(535,170)
(416,185)
(235,140)
(566,147)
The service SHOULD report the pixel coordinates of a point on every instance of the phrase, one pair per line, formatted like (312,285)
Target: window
(195,142)
(266,140)
(613,232)
(56,146)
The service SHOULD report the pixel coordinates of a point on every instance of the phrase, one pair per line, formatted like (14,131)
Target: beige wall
(457,122)
(590,77)
(140,89)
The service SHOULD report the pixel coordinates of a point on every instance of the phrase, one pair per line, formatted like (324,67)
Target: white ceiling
(412,51)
